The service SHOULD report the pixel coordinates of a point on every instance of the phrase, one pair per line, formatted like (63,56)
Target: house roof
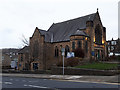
(24,50)
(8,50)
(63,30)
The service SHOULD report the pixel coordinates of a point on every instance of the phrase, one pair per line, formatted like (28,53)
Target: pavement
(76,78)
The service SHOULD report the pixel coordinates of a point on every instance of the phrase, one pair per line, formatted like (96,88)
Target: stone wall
(37,49)
(22,64)
(6,60)
(77,71)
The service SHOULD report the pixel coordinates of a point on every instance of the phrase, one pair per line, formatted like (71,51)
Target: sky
(21,17)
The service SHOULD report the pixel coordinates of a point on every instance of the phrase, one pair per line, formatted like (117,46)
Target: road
(20,82)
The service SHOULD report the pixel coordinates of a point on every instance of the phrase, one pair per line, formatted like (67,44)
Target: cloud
(19,17)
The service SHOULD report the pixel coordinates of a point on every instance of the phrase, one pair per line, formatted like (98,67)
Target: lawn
(99,66)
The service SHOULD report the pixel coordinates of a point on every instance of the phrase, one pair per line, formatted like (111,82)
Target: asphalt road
(20,82)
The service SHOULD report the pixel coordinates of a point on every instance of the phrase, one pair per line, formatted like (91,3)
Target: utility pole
(63,53)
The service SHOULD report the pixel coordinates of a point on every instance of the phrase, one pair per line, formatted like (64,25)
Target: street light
(63,53)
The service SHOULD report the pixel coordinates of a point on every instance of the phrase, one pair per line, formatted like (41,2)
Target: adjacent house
(23,58)
(9,55)
(113,47)
(6,61)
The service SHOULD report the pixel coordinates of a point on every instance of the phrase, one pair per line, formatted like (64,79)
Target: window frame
(79,44)
(56,52)
(73,45)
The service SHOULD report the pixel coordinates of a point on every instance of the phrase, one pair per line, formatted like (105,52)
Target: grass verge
(99,66)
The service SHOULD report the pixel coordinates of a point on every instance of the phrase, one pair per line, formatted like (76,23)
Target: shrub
(79,53)
(60,63)
(72,61)
(69,62)
(118,58)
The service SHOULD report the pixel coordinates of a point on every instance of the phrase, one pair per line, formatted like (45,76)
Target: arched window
(98,35)
(56,51)
(86,46)
(73,45)
(66,50)
(79,44)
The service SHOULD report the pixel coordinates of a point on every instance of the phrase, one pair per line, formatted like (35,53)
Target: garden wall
(78,71)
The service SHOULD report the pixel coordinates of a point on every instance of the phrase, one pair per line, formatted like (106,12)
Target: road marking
(33,81)
(44,79)
(25,85)
(0,82)
(7,83)
(35,86)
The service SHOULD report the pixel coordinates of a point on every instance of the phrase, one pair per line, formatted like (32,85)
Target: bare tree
(25,41)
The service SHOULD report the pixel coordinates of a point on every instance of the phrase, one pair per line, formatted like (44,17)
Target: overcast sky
(20,17)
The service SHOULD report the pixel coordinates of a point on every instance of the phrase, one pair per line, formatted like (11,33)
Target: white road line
(35,86)
(0,82)
(25,85)
(33,81)
(7,83)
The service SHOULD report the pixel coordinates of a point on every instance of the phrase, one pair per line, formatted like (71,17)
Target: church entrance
(97,54)
(35,66)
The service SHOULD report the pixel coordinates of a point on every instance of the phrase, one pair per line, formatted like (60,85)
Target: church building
(86,32)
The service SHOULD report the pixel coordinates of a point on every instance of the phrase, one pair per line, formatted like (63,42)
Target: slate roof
(9,50)
(24,50)
(79,33)
(63,30)
(48,35)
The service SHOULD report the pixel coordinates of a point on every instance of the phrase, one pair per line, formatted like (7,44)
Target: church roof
(63,30)
(48,35)
(79,33)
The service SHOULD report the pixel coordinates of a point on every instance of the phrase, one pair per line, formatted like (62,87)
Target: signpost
(63,53)
(70,54)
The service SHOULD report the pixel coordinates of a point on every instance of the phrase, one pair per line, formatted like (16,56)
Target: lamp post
(63,53)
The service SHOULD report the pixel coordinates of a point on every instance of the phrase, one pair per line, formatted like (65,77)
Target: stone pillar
(90,32)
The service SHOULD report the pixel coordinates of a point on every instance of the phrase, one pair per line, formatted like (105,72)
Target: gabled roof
(63,30)
(48,35)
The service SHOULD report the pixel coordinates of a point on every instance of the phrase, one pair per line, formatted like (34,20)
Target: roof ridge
(41,30)
(74,19)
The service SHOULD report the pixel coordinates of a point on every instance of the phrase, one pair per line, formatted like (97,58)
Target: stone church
(86,32)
